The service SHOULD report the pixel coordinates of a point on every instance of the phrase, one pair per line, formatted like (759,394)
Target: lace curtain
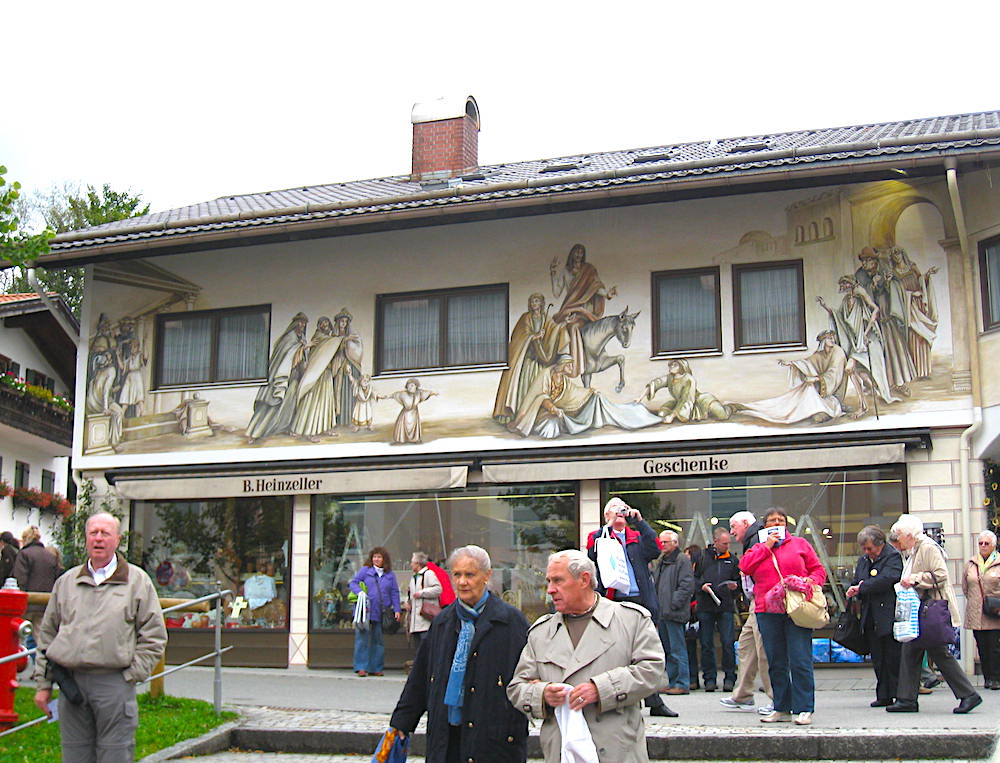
(243,346)
(187,350)
(687,313)
(770,305)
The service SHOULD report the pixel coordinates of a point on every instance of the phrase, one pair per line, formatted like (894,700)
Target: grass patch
(162,722)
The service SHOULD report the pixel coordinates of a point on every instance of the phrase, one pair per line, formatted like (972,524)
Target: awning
(221,485)
(694,465)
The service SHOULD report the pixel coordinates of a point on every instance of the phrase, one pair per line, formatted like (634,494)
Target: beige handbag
(806,613)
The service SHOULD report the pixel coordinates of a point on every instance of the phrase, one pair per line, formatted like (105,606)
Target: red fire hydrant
(13,629)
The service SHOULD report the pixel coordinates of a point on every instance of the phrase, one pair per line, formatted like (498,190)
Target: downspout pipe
(965,441)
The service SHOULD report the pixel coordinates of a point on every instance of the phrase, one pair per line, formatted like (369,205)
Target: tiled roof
(8,298)
(497,184)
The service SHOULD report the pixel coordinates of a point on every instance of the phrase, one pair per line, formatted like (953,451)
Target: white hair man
(752,660)
(673,579)
(600,657)
(102,632)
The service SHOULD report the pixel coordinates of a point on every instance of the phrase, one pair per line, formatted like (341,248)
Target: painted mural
(574,367)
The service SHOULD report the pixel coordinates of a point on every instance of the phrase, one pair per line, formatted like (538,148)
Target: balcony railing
(36,417)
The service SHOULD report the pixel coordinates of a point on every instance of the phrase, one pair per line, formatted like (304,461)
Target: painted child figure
(365,397)
(408,422)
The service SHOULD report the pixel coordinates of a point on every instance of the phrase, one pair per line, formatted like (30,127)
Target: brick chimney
(445,138)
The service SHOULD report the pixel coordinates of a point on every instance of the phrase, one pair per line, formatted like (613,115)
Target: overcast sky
(187,101)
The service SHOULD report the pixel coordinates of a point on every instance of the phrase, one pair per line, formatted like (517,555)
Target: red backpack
(447,592)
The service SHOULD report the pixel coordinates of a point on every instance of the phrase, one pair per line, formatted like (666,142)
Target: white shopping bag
(361,612)
(577,744)
(611,563)
(907,620)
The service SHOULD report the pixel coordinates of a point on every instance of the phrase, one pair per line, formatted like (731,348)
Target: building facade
(277,383)
(37,381)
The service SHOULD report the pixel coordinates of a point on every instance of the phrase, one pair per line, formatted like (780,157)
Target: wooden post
(156,685)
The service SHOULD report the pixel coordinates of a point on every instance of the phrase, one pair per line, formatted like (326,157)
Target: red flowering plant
(17,384)
(27,497)
(5,489)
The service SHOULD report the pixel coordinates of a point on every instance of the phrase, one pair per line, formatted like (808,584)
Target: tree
(18,247)
(63,209)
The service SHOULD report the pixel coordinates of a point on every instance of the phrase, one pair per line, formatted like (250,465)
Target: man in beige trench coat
(608,652)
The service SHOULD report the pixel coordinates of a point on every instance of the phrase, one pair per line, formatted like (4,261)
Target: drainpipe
(965,442)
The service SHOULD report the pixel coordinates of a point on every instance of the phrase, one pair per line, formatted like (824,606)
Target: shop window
(22,473)
(212,346)
(989,276)
(241,542)
(827,508)
(768,305)
(519,526)
(686,311)
(38,379)
(458,328)
(48,481)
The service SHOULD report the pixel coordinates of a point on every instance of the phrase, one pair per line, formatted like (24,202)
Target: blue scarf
(454,694)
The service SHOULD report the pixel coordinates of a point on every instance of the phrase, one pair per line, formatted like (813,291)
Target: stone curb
(777,745)
(218,739)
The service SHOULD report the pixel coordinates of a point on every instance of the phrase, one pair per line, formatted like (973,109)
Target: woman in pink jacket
(788,646)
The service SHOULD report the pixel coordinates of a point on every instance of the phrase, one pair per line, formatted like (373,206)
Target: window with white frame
(455,328)
(212,346)
(768,305)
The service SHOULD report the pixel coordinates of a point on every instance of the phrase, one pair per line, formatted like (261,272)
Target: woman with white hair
(462,670)
(982,579)
(925,570)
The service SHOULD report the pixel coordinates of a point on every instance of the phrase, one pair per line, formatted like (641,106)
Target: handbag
(935,622)
(611,563)
(429,608)
(390,624)
(991,604)
(805,611)
(393,747)
(848,633)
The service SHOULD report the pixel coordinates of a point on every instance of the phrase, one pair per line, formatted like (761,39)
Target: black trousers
(885,659)
(909,672)
(988,644)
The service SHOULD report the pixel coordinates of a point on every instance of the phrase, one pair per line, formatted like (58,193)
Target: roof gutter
(543,182)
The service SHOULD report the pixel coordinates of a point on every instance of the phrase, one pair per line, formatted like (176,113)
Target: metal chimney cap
(445,108)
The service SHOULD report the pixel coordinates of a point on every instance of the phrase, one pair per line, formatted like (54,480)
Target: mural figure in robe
(556,405)
(534,344)
(875,276)
(274,407)
(345,366)
(686,402)
(584,297)
(363,412)
(921,311)
(131,359)
(407,427)
(315,410)
(817,387)
(860,336)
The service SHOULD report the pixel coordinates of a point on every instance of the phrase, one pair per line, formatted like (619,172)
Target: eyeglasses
(985,543)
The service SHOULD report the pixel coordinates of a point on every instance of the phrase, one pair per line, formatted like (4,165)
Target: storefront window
(827,508)
(240,542)
(519,526)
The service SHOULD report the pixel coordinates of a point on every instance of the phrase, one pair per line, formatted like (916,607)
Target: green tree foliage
(17,247)
(63,209)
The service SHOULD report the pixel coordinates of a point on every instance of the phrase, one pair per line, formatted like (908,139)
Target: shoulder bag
(848,632)
(805,611)
(429,608)
(390,624)
(935,621)
(991,604)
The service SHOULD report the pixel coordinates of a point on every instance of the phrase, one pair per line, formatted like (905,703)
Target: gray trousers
(102,729)
(753,661)
(910,661)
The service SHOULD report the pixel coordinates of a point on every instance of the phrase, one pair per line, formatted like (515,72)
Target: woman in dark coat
(36,567)
(8,553)
(875,576)
(462,670)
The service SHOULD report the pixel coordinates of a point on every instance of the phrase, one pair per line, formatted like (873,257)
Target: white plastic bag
(611,562)
(361,612)
(577,744)
(907,621)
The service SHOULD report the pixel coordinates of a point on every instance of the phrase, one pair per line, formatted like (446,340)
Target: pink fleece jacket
(795,557)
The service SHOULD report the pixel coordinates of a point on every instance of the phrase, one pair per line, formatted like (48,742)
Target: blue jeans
(707,624)
(675,649)
(789,662)
(369,649)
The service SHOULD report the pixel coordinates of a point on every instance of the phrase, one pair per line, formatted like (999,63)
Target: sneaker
(766,709)
(804,719)
(733,704)
(776,716)
(728,685)
(709,685)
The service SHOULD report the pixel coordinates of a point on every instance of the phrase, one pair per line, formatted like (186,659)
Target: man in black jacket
(715,590)
(674,581)
(875,576)
(462,670)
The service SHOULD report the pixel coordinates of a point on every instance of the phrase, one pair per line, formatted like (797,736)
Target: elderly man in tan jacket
(607,653)
(102,632)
